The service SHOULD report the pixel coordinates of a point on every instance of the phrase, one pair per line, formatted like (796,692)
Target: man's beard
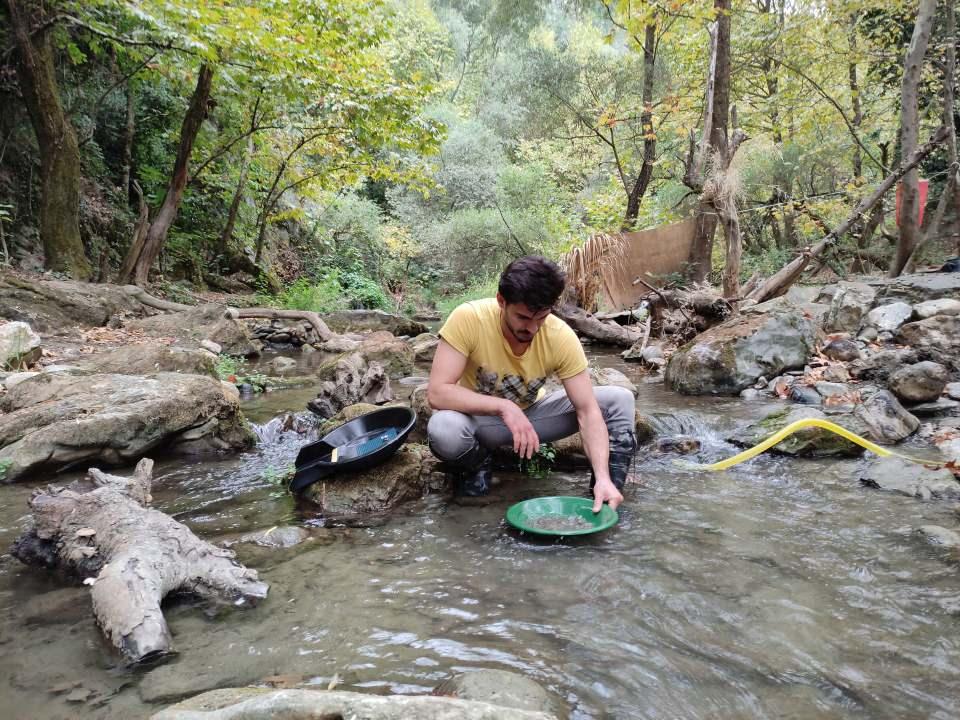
(521,335)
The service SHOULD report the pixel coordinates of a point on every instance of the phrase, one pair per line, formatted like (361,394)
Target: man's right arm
(445,393)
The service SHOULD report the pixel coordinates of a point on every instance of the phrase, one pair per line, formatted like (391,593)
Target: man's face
(521,322)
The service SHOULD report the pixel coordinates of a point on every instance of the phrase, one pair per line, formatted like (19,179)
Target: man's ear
(500,301)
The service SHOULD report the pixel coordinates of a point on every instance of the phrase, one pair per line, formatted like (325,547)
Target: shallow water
(781,588)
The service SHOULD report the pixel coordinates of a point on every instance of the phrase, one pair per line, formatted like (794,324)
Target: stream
(779,589)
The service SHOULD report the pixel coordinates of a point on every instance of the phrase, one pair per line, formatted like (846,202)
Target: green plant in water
(227,366)
(541,464)
(278,476)
(4,467)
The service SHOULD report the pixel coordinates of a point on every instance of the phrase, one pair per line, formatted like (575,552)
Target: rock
(55,421)
(354,380)
(842,349)
(849,303)
(888,318)
(396,355)
(831,389)
(919,287)
(502,688)
(869,334)
(230,391)
(14,379)
(345,415)
(907,478)
(952,390)
(949,447)
(420,405)
(918,383)
(809,442)
(651,354)
(943,306)
(570,449)
(169,683)
(836,374)
(339,344)
(424,346)
(147,358)
(881,419)
(680,444)
(750,394)
(277,537)
(375,490)
(50,306)
(612,376)
(266,704)
(210,345)
(282,365)
(203,322)
(367,320)
(731,356)
(936,535)
(805,395)
(940,406)
(80,695)
(19,346)
(938,337)
(879,365)
(427,316)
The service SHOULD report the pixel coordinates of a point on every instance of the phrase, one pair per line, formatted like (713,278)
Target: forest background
(396,154)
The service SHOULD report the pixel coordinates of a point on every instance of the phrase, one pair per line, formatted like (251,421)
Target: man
(488,378)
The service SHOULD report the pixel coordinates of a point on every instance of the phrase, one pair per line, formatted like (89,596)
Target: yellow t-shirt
(473,330)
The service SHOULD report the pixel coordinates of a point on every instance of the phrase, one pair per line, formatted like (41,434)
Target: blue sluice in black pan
(358,444)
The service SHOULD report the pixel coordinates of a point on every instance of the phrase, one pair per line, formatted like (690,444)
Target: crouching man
(488,379)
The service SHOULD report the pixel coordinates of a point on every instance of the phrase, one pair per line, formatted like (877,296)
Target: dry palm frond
(585,265)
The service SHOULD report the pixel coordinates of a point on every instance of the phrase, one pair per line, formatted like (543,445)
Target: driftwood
(781,281)
(320,327)
(131,555)
(587,325)
(355,381)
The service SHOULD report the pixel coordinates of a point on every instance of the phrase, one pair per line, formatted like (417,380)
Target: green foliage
(5,464)
(483,289)
(541,464)
(323,296)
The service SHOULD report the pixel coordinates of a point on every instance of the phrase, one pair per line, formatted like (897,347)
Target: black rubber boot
(475,482)
(619,465)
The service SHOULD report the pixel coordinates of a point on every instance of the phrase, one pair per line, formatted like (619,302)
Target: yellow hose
(800,425)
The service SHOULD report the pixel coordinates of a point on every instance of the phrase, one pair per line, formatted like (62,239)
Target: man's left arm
(596,441)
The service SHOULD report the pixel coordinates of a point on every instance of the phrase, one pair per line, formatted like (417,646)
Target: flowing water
(779,589)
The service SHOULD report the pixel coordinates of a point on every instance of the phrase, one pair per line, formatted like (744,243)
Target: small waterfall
(684,423)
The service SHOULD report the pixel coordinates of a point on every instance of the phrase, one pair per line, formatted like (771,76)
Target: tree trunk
(586,324)
(157,233)
(57,141)
(227,235)
(949,78)
(646,123)
(855,96)
(135,556)
(126,159)
(909,129)
(717,112)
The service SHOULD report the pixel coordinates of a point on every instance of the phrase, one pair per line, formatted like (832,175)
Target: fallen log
(142,296)
(781,281)
(131,555)
(587,325)
(320,327)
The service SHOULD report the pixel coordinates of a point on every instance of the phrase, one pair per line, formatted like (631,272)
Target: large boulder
(371,320)
(19,346)
(732,356)
(880,419)
(393,354)
(424,346)
(611,376)
(943,306)
(849,302)
(878,366)
(265,704)
(407,475)
(919,287)
(936,338)
(51,306)
(53,421)
(921,382)
(352,380)
(147,358)
(203,322)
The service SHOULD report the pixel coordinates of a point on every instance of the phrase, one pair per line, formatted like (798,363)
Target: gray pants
(465,440)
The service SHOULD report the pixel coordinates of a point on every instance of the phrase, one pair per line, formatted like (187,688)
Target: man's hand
(525,439)
(606,491)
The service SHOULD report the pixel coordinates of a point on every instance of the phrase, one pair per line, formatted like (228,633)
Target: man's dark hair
(532,280)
